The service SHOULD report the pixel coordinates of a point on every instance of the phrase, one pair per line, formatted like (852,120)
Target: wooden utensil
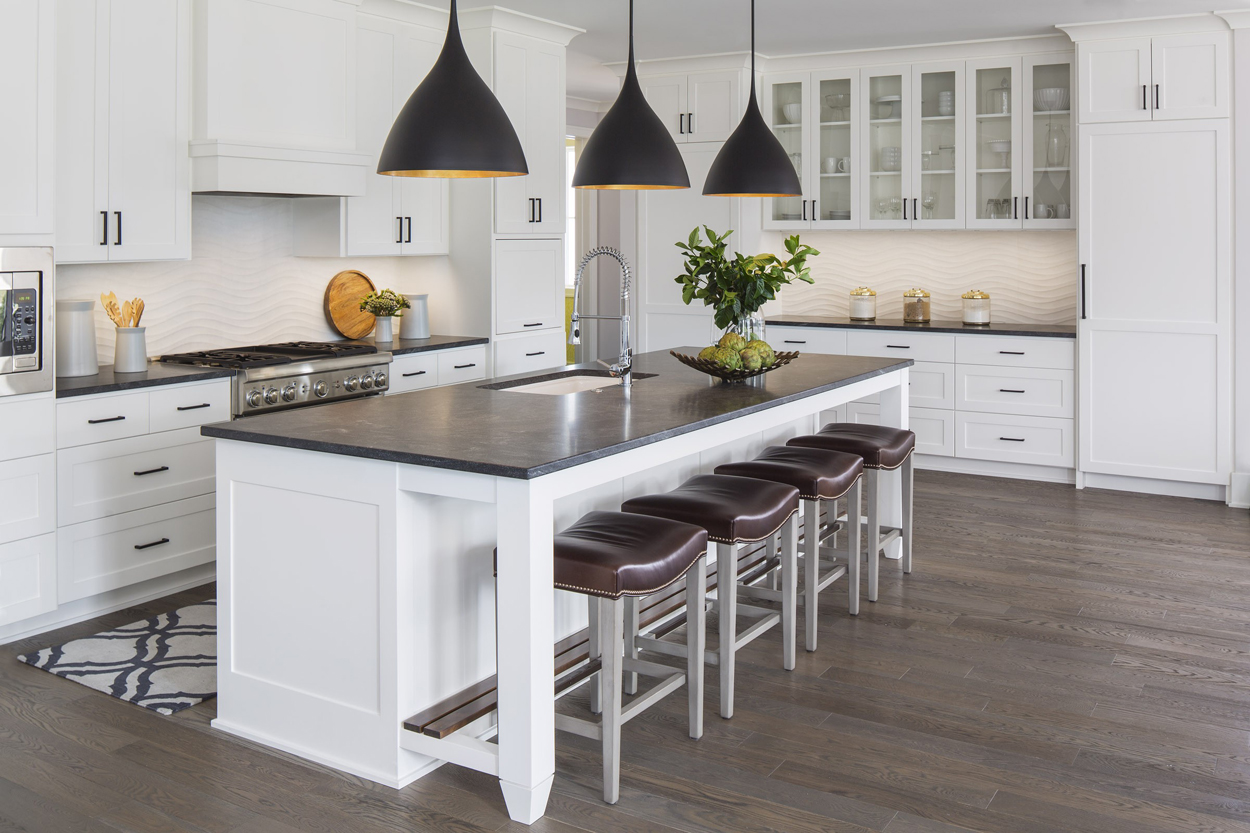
(342,303)
(126,314)
(109,302)
(138,311)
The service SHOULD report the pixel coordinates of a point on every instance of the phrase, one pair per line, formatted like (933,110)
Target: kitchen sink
(562,383)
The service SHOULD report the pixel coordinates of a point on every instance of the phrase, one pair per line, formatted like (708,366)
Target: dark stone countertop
(404,346)
(1000,329)
(469,427)
(157,374)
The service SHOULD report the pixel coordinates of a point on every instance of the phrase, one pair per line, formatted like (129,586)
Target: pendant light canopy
(631,149)
(752,163)
(452,125)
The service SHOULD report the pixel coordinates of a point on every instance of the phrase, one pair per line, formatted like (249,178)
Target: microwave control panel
(25,318)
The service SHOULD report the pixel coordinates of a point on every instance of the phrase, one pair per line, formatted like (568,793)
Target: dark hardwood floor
(1059,661)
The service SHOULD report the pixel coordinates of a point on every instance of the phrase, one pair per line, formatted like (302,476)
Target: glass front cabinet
(979,144)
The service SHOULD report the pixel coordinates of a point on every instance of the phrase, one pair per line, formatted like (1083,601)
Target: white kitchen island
(355,549)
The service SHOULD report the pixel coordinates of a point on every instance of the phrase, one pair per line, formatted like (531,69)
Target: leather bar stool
(819,475)
(610,556)
(733,510)
(882,449)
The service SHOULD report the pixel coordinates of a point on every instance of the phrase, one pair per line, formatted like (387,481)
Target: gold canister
(976,307)
(863,304)
(916,306)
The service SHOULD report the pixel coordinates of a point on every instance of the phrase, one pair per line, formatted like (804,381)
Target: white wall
(243,286)
(1240,492)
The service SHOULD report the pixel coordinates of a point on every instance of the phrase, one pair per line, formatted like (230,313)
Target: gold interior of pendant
(750,195)
(630,187)
(454,174)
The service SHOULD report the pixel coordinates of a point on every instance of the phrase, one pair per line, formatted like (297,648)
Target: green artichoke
(751,359)
(708,354)
(726,358)
(733,341)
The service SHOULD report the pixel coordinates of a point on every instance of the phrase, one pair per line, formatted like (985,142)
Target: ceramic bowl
(1051,98)
(793,113)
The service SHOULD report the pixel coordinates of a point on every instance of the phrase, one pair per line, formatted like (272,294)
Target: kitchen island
(355,548)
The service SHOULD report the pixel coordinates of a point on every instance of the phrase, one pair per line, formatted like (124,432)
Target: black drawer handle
(151,471)
(153,544)
(788,341)
(899,346)
(1009,390)
(463,366)
(1012,439)
(194,407)
(539,324)
(418,373)
(539,353)
(1011,352)
(100,421)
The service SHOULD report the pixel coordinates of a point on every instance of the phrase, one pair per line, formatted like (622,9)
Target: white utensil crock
(75,339)
(415,322)
(130,352)
(384,329)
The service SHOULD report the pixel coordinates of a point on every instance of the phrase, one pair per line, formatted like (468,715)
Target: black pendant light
(631,149)
(752,162)
(452,125)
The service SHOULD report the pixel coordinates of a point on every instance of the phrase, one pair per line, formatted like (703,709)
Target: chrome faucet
(623,368)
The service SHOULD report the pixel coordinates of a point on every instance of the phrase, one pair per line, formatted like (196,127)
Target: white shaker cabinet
(27,100)
(699,107)
(1167,77)
(123,123)
(529,83)
(529,285)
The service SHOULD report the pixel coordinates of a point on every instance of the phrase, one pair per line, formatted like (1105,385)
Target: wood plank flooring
(1059,661)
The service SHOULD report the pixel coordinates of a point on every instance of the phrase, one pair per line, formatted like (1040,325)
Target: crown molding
(1236,18)
(1146,27)
(497,17)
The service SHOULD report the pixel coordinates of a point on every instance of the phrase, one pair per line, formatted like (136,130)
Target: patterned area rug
(166,663)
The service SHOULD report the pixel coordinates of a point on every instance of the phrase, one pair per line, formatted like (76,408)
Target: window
(570,211)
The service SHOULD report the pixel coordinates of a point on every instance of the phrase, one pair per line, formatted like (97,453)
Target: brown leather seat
(733,510)
(879,446)
(818,474)
(613,554)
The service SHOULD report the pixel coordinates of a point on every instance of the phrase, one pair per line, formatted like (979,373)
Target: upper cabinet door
(936,154)
(667,96)
(1049,150)
(27,99)
(1115,80)
(1190,76)
(885,100)
(423,203)
(149,127)
(82,125)
(712,102)
(995,153)
(786,110)
(834,150)
(375,223)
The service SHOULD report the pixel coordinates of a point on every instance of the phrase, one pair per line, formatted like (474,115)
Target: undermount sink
(563,383)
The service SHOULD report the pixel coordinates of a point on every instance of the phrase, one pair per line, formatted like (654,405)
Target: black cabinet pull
(539,353)
(690,123)
(1011,352)
(104,237)
(100,421)
(194,407)
(531,219)
(1082,291)
(1026,208)
(1156,96)
(399,233)
(118,215)
(151,471)
(540,209)
(805,211)
(417,373)
(915,215)
(904,209)
(681,123)
(1009,390)
(899,346)
(463,366)
(538,324)
(408,236)
(788,341)
(1012,439)
(1015,208)
(153,544)
(1144,105)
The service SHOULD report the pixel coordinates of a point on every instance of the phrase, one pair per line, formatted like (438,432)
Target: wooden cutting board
(342,304)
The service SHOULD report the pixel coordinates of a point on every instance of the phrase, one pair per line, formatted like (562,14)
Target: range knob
(321,388)
(288,393)
(380,380)
(366,382)
(271,396)
(255,398)
(351,383)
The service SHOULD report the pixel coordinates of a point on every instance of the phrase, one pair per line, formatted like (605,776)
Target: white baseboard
(1239,491)
(83,609)
(994,468)
(1150,486)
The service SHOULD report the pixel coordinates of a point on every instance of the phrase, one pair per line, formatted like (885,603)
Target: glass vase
(1056,146)
(750,326)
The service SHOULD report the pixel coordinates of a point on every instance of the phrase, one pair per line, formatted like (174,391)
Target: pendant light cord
(752,48)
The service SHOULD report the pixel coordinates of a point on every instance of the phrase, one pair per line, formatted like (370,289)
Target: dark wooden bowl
(712,369)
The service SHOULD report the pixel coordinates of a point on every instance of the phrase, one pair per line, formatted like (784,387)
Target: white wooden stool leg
(727,601)
(696,642)
(611,628)
(789,589)
(811,568)
(631,646)
(592,610)
(853,542)
(774,546)
(908,482)
(873,476)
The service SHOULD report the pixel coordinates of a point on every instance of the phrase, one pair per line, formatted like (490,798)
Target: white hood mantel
(222,167)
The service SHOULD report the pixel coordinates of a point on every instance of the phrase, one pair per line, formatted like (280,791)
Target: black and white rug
(166,663)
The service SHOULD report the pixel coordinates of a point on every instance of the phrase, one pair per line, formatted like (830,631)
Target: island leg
(525,634)
(894,413)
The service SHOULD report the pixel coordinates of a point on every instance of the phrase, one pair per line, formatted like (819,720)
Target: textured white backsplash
(242,286)
(1031,276)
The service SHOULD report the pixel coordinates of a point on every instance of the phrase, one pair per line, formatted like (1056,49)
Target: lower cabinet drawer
(458,366)
(97,419)
(27,578)
(192,405)
(107,478)
(536,352)
(1019,390)
(1012,351)
(27,498)
(29,426)
(1041,441)
(934,428)
(807,340)
(893,344)
(414,372)
(930,385)
(121,550)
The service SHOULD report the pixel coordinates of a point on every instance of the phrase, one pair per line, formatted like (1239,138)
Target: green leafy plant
(735,288)
(384,304)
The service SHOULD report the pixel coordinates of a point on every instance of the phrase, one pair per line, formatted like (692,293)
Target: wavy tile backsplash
(1030,275)
(243,284)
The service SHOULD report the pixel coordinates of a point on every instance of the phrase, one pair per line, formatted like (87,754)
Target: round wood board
(342,303)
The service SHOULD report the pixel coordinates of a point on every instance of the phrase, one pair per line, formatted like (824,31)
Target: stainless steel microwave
(26,280)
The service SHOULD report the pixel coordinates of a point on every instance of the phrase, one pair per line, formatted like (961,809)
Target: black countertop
(1030,330)
(157,374)
(404,346)
(469,427)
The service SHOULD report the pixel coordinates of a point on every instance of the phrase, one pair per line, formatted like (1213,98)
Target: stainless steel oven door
(26,280)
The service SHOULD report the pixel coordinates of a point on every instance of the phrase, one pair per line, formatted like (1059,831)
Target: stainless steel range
(274,377)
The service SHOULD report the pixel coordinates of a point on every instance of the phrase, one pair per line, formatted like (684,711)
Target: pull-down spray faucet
(623,368)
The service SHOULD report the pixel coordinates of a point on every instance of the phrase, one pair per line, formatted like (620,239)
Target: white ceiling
(672,28)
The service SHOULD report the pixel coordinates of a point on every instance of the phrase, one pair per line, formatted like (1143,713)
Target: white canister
(415,322)
(863,304)
(384,329)
(130,352)
(976,307)
(75,339)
